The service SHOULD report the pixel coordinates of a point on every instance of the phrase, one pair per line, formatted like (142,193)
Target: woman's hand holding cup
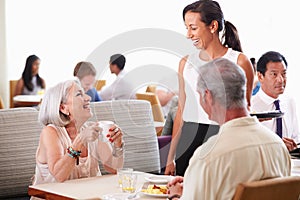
(111,132)
(90,133)
(115,136)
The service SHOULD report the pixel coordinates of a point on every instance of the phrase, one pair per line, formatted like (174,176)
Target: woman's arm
(110,162)
(246,65)
(112,153)
(52,152)
(176,132)
(164,96)
(19,87)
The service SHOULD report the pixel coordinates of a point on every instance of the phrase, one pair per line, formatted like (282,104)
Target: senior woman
(69,147)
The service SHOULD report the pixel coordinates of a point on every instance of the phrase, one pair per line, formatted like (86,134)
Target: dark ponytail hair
(231,37)
(27,73)
(210,10)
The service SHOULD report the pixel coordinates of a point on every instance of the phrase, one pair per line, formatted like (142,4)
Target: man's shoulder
(206,149)
(221,144)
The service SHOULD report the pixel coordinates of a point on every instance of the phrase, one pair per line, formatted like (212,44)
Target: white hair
(50,108)
(225,80)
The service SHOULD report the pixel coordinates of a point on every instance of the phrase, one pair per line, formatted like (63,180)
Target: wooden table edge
(46,195)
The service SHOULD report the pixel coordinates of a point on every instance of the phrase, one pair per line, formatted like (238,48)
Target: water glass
(129,180)
(120,172)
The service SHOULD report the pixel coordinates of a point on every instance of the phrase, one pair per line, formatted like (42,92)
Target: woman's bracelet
(74,154)
(118,151)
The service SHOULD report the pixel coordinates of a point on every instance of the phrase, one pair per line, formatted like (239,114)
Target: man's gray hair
(225,80)
(50,108)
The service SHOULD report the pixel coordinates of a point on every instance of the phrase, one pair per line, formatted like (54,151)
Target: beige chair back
(282,188)
(134,117)
(12,88)
(99,84)
(19,139)
(155,104)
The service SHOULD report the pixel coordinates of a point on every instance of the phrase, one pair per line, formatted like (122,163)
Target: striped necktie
(278,120)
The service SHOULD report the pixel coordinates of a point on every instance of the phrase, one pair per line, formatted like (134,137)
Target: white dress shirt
(121,88)
(262,102)
(243,151)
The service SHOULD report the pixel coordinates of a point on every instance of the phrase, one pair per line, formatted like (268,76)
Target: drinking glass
(129,180)
(120,172)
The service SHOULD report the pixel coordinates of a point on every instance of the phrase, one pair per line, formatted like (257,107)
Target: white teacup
(105,125)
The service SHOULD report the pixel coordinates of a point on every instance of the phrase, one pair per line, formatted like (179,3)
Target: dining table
(27,100)
(99,187)
(92,188)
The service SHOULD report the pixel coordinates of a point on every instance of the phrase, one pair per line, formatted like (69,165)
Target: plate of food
(159,179)
(267,114)
(156,190)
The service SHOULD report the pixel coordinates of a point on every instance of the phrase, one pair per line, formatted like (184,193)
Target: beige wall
(4,86)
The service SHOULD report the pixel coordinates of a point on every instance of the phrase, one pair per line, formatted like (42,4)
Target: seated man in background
(86,73)
(165,98)
(120,88)
(243,150)
(271,68)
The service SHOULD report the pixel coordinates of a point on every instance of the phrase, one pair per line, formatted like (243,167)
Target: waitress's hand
(170,169)
(264,119)
(115,136)
(289,143)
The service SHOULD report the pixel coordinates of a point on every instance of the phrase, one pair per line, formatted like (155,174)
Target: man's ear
(260,76)
(208,97)
(64,109)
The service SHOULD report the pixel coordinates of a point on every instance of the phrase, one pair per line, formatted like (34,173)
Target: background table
(27,100)
(85,188)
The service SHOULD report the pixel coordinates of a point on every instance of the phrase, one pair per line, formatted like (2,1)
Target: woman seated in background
(69,147)
(86,73)
(30,83)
